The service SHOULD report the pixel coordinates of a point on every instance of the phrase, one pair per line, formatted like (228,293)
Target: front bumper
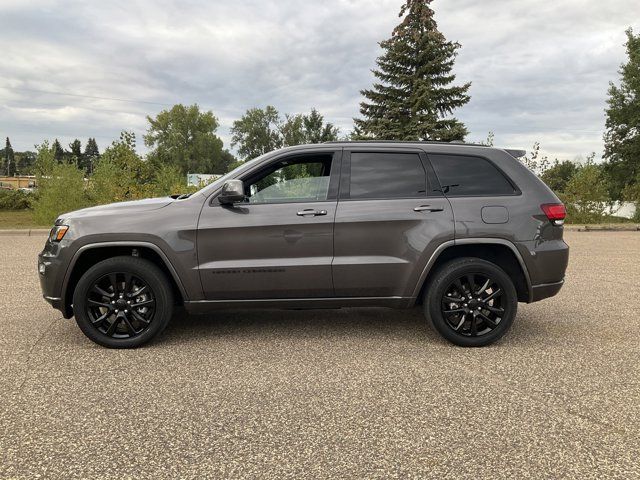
(51,271)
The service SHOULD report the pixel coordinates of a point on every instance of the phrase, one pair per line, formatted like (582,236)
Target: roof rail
(436,142)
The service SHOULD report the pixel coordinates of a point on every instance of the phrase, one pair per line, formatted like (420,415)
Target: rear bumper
(546,263)
(545,290)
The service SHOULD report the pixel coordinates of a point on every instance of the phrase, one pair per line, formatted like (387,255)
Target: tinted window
(469,176)
(387,175)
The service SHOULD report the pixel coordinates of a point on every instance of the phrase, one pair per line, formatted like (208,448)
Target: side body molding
(473,241)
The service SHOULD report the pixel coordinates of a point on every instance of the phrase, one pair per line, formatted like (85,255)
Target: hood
(121,207)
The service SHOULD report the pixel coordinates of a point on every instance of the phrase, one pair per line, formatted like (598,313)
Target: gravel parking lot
(352,393)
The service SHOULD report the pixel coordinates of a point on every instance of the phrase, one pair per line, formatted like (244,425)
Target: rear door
(391,216)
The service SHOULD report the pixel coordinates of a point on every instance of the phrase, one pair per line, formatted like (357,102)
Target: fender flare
(132,244)
(473,241)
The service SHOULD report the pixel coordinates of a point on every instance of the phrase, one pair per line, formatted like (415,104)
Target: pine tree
(9,161)
(622,135)
(58,151)
(75,149)
(414,96)
(91,155)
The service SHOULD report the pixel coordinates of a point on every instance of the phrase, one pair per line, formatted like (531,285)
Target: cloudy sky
(539,68)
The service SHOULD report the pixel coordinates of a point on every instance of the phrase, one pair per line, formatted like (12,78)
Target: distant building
(201,179)
(622,209)
(20,182)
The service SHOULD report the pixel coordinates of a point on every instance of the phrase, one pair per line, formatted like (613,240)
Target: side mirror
(232,192)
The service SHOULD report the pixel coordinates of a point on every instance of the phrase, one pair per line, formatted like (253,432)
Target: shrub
(14,200)
(62,190)
(587,194)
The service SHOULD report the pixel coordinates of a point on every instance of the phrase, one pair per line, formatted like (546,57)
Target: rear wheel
(471,302)
(123,302)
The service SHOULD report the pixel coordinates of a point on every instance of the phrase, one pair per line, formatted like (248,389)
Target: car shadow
(362,323)
(407,324)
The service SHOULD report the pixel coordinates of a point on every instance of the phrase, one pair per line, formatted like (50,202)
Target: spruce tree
(10,164)
(622,135)
(91,155)
(414,96)
(75,149)
(58,151)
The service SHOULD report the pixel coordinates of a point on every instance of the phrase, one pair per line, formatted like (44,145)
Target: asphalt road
(353,393)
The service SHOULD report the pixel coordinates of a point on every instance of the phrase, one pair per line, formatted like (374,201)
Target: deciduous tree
(186,138)
(622,135)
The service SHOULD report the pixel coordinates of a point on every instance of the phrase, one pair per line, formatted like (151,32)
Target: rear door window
(469,176)
(386,175)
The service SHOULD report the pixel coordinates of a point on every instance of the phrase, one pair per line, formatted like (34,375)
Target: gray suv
(466,231)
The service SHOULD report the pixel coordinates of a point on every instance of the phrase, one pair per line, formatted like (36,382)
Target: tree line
(414,97)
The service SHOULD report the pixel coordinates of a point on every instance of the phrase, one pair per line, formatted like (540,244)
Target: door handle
(428,208)
(310,212)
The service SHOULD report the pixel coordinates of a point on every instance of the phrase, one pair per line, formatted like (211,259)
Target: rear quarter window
(470,176)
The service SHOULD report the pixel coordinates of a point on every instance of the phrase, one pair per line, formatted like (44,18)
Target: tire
(473,320)
(100,301)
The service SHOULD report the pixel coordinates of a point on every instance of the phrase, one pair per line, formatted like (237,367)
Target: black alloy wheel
(121,305)
(123,302)
(471,302)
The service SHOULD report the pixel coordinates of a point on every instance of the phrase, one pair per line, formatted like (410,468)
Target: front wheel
(123,302)
(471,302)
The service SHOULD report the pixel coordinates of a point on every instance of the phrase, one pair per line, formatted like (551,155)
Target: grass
(10,219)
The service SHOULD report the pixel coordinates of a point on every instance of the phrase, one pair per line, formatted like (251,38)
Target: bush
(587,194)
(14,200)
(63,190)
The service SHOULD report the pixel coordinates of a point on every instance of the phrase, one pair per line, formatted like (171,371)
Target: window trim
(516,190)
(334,176)
(345,179)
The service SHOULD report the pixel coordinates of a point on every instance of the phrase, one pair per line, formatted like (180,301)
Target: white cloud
(540,69)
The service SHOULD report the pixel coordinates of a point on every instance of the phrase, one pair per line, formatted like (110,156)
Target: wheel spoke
(138,292)
(132,331)
(488,320)
(101,318)
(474,326)
(139,317)
(143,303)
(484,287)
(99,304)
(457,310)
(112,328)
(102,292)
(458,285)
(493,295)
(497,311)
(448,299)
(461,322)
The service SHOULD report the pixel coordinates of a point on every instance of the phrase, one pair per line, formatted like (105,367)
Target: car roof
(433,146)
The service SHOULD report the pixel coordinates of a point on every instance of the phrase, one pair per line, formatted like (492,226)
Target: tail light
(555,212)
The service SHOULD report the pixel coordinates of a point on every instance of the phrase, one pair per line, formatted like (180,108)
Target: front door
(278,243)
(391,217)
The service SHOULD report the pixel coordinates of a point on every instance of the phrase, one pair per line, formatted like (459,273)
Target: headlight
(57,233)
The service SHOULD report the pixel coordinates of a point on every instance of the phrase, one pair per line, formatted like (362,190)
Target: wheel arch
(89,255)
(498,251)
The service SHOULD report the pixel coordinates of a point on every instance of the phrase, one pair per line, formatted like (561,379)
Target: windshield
(206,190)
